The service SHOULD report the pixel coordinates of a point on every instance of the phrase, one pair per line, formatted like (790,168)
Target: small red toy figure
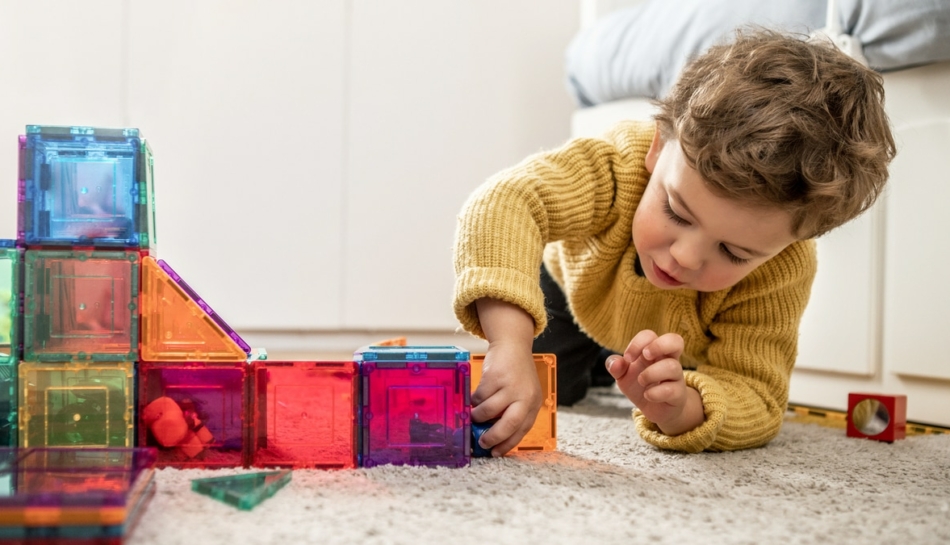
(176,426)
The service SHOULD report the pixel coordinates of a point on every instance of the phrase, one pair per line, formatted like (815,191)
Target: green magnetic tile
(243,491)
(10,259)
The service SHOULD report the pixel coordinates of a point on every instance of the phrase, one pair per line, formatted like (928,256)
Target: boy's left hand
(650,375)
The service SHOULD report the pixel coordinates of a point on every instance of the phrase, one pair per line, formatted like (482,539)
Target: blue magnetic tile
(412,353)
(84,186)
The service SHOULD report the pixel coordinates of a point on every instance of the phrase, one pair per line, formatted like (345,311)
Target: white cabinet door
(915,300)
(63,64)
(441,96)
(841,329)
(243,103)
(917,296)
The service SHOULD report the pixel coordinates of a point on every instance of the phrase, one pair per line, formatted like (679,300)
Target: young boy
(684,245)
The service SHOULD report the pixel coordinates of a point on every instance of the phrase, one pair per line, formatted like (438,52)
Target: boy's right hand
(509,389)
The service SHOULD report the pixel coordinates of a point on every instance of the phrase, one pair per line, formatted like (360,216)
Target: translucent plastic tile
(10,260)
(131,459)
(543,434)
(81,305)
(304,414)
(395,353)
(8,405)
(194,413)
(177,325)
(72,494)
(84,404)
(85,186)
(415,413)
(245,491)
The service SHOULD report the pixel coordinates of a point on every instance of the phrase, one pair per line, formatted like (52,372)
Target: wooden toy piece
(880,417)
(395,341)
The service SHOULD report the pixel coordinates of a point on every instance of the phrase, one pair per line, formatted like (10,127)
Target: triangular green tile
(243,491)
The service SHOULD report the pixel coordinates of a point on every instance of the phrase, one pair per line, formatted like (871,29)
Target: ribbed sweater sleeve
(566,193)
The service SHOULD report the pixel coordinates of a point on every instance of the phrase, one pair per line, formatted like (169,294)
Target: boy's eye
(731,256)
(672,215)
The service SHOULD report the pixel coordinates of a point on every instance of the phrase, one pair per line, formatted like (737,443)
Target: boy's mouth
(665,278)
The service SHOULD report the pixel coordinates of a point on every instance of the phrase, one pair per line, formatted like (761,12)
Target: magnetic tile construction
(73,495)
(104,345)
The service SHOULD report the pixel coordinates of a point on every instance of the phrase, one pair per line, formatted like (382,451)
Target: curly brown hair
(774,119)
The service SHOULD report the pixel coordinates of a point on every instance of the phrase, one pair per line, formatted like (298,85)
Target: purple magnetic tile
(204,306)
(415,413)
(21,191)
(213,394)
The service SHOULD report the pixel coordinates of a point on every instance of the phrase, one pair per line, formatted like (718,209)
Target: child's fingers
(487,409)
(639,342)
(665,392)
(617,366)
(507,431)
(669,345)
(665,370)
(486,389)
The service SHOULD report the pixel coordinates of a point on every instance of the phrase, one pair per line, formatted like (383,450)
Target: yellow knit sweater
(574,207)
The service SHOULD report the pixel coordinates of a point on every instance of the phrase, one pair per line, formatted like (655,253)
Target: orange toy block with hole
(543,434)
(877,416)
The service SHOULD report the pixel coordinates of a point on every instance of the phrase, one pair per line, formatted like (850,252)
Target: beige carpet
(604,485)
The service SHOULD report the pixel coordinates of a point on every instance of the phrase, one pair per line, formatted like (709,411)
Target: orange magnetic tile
(175,328)
(543,434)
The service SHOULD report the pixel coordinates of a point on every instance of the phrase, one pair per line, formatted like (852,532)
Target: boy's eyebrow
(682,203)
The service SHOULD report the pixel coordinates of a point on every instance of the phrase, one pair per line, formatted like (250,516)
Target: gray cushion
(638,51)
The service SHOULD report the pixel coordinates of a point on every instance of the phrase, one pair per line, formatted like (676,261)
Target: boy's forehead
(681,161)
(757,227)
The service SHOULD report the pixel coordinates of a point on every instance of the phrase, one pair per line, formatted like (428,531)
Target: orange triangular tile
(175,327)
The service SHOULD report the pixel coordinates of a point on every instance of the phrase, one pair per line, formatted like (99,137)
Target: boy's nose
(687,253)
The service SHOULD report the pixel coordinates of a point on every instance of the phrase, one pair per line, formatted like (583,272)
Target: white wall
(310,156)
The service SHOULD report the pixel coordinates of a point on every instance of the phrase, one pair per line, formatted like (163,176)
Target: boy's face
(688,237)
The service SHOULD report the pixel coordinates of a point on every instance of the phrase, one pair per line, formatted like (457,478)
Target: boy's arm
(509,388)
(566,193)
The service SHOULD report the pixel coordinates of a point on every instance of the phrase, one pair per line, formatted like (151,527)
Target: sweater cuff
(699,438)
(503,284)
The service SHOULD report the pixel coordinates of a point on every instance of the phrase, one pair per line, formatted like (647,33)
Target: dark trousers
(578,356)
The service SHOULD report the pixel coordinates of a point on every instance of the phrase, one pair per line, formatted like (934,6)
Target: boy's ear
(654,154)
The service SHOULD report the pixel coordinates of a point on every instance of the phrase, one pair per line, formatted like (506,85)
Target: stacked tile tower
(102,344)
